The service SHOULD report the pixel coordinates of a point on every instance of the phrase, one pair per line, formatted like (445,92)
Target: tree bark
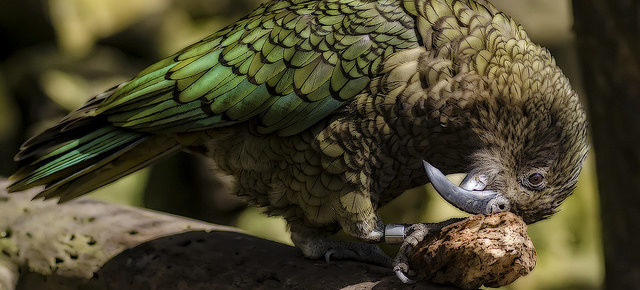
(609,46)
(86,244)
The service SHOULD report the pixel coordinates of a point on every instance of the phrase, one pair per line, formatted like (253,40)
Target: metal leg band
(393,234)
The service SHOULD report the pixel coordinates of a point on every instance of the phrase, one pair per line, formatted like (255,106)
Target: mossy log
(87,244)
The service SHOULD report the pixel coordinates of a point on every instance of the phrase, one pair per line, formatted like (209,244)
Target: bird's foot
(414,234)
(316,248)
(362,252)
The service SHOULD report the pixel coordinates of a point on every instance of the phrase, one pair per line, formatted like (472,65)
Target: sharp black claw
(327,256)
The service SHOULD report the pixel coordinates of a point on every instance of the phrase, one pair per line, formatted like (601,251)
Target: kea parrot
(325,110)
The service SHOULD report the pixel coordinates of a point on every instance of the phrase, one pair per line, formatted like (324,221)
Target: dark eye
(536,179)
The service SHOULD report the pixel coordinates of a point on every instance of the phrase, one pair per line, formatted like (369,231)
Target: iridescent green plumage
(286,65)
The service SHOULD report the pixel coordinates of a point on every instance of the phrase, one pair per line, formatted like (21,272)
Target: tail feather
(71,160)
(75,125)
(57,135)
(128,160)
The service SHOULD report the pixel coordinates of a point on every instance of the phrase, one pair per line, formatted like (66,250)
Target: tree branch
(87,244)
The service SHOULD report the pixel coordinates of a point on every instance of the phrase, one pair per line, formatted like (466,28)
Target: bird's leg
(315,245)
(413,234)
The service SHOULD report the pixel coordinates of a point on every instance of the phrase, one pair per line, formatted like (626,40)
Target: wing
(288,64)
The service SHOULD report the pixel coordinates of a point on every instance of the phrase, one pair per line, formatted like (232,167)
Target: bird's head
(530,147)
(493,104)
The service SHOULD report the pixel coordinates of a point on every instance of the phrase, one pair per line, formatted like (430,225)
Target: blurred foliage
(74,49)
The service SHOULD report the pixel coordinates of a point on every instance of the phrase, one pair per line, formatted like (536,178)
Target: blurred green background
(57,53)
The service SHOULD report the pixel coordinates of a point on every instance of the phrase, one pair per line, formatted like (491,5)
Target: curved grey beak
(472,198)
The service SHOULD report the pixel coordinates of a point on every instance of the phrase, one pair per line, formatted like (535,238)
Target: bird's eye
(536,179)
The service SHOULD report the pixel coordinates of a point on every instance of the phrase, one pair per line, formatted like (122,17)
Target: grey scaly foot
(318,247)
(362,252)
(414,234)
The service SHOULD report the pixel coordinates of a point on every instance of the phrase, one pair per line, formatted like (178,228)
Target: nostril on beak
(503,206)
(499,206)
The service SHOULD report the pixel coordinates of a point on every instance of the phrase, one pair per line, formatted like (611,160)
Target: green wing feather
(289,64)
